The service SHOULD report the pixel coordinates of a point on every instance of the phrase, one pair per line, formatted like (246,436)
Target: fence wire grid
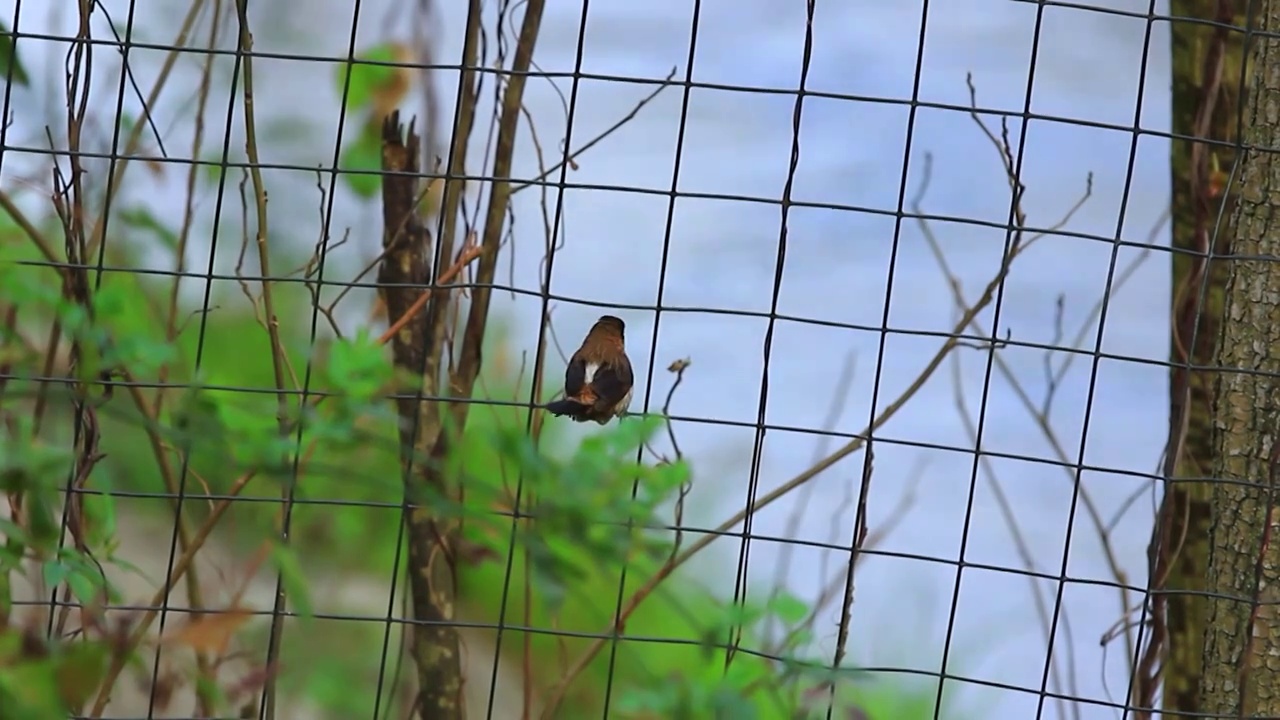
(951,331)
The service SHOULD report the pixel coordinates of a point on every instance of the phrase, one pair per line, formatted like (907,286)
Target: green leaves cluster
(33,470)
(596,508)
(11,68)
(40,680)
(361,78)
(745,685)
(370,90)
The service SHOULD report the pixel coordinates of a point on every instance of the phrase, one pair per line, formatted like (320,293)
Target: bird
(598,380)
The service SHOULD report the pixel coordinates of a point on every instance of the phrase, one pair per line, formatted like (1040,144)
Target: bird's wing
(575,376)
(612,381)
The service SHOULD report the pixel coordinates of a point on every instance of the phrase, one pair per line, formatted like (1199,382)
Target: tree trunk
(1206,63)
(1241,661)
(403,276)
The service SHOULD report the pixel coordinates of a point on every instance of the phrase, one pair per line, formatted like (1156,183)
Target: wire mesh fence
(941,350)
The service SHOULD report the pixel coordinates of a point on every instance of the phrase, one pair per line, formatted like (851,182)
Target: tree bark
(402,278)
(1206,62)
(1241,660)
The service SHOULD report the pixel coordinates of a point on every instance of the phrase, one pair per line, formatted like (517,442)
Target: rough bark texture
(402,278)
(1206,66)
(1241,671)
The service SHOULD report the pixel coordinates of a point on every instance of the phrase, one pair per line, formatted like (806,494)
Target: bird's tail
(567,406)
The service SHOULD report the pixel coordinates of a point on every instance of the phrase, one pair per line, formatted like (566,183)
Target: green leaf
(54,572)
(140,218)
(27,464)
(659,698)
(16,541)
(28,691)
(127,122)
(10,64)
(80,574)
(358,159)
(800,638)
(743,614)
(745,672)
(358,366)
(197,413)
(6,592)
(625,437)
(100,512)
(210,688)
(79,671)
(250,429)
(294,580)
(663,480)
(130,567)
(727,702)
(10,645)
(365,79)
(45,531)
(84,585)
(212,166)
(789,608)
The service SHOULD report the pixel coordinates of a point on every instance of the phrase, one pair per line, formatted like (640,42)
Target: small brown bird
(597,383)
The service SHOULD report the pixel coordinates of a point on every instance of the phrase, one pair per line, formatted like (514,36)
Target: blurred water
(723,254)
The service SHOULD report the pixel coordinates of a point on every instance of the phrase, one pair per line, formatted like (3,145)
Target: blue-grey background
(722,254)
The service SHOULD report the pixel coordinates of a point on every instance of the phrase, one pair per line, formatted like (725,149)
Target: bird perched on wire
(597,383)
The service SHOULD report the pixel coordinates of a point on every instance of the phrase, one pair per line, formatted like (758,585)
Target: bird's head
(609,325)
(604,338)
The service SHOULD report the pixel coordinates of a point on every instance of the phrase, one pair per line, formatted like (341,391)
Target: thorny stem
(260,208)
(270,320)
(75,279)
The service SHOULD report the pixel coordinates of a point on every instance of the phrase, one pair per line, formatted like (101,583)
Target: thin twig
(28,228)
(272,322)
(571,157)
(470,252)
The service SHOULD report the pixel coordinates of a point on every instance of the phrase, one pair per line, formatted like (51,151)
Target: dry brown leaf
(473,553)
(1217,184)
(387,97)
(163,689)
(212,632)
